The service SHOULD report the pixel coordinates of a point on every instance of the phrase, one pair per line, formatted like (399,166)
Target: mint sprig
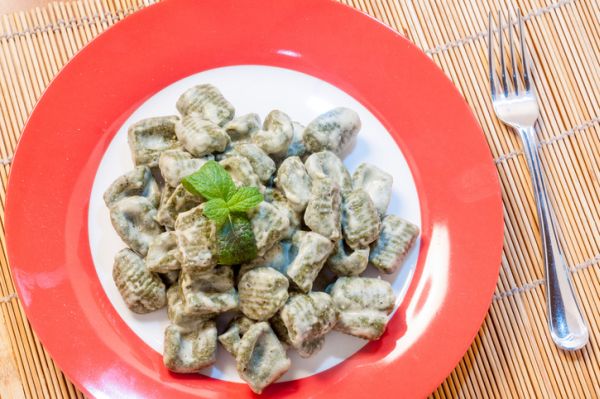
(226,206)
(236,242)
(211,181)
(244,199)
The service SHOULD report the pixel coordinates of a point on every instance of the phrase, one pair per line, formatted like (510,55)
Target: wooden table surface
(512,356)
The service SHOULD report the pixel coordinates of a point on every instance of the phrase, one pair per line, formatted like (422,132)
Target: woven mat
(513,355)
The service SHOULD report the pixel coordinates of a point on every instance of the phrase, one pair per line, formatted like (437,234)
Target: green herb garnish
(235,241)
(226,206)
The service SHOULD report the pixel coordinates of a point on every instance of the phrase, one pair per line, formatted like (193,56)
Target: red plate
(75,120)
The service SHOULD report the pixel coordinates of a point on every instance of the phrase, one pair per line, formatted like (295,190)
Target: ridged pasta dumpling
(262,291)
(148,138)
(142,291)
(260,357)
(207,101)
(304,320)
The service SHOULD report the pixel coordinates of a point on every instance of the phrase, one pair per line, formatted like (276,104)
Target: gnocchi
(333,131)
(133,219)
(162,253)
(141,290)
(188,351)
(241,171)
(262,292)
(343,263)
(200,137)
(323,214)
(176,164)
(231,338)
(209,292)
(276,134)
(207,101)
(260,357)
(326,165)
(148,138)
(261,163)
(196,240)
(376,182)
(243,127)
(138,182)
(360,221)
(363,305)
(304,320)
(311,251)
(294,182)
(309,230)
(396,238)
(175,202)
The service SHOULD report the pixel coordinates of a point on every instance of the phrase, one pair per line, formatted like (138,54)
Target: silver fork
(517,106)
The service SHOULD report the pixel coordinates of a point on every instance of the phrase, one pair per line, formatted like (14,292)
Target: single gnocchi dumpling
(297,148)
(231,338)
(162,253)
(179,200)
(209,292)
(174,165)
(333,131)
(241,171)
(142,291)
(295,183)
(347,262)
(360,221)
(260,357)
(138,182)
(200,137)
(269,225)
(165,194)
(149,137)
(278,258)
(278,199)
(196,240)
(179,314)
(207,101)
(395,240)
(188,351)
(323,213)
(377,183)
(262,164)
(243,127)
(311,250)
(262,292)
(327,165)
(304,320)
(133,220)
(276,134)
(363,305)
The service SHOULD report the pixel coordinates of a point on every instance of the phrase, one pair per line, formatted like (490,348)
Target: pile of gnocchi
(316,231)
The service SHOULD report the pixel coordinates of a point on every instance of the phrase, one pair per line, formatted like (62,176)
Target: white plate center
(259,89)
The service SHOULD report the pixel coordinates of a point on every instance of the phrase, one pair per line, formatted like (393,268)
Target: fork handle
(567,326)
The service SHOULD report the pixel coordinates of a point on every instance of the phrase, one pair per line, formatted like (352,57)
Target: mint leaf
(235,241)
(211,181)
(244,199)
(217,210)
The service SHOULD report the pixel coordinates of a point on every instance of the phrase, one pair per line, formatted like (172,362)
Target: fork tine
(490,53)
(502,63)
(523,54)
(512,53)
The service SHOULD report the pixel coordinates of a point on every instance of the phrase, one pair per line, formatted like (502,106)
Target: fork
(517,106)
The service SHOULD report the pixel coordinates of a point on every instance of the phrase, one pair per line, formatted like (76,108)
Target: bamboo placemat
(513,355)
